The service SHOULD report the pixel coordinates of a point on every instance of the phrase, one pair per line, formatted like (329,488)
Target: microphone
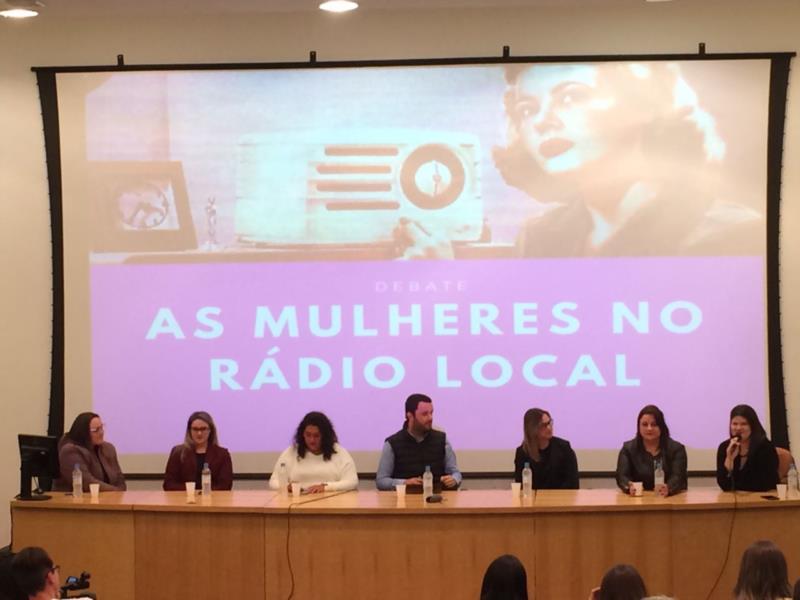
(738,437)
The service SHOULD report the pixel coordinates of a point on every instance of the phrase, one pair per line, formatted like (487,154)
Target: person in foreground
(200,447)
(406,453)
(621,582)
(652,445)
(551,458)
(35,575)
(316,460)
(747,460)
(505,579)
(762,574)
(84,445)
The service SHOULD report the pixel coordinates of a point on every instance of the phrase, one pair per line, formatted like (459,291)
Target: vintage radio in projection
(352,187)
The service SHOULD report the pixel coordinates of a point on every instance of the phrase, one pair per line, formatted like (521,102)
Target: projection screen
(586,237)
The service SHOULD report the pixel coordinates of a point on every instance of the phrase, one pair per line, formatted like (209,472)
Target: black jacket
(759,474)
(637,464)
(557,468)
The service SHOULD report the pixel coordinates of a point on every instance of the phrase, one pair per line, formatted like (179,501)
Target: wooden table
(153,545)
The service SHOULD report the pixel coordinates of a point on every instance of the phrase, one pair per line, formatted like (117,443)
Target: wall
(636,27)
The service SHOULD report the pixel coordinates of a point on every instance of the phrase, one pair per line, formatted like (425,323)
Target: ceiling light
(339,5)
(18,13)
(20,9)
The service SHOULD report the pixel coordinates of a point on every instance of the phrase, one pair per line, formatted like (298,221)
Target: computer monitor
(38,458)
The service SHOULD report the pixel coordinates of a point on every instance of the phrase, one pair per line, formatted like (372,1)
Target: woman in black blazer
(747,460)
(551,459)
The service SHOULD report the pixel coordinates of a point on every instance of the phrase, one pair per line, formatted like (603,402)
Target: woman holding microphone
(746,461)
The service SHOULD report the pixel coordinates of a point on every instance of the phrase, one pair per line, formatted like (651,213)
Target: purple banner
(260,344)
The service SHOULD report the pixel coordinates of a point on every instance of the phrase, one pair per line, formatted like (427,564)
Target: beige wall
(725,26)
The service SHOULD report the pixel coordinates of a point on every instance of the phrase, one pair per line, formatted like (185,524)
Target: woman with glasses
(200,447)
(84,445)
(652,447)
(316,460)
(551,458)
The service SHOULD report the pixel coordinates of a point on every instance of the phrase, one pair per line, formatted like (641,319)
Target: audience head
(87,430)
(762,573)
(744,422)
(622,582)
(34,572)
(796,592)
(200,430)
(505,579)
(316,435)
(419,414)
(537,427)
(651,426)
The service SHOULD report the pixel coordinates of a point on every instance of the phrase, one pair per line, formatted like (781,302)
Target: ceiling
(78,8)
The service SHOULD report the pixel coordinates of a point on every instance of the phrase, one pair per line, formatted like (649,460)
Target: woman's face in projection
(565,117)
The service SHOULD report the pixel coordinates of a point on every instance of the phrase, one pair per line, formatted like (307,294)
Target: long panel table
(259,544)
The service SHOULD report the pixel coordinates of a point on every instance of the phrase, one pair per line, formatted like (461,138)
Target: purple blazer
(92,465)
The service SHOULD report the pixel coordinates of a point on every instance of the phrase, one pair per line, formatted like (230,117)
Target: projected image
(629,157)
(601,159)
(584,228)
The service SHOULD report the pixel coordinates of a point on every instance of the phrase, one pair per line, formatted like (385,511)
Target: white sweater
(339,473)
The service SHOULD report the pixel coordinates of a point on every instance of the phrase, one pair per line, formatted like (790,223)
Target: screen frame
(779,80)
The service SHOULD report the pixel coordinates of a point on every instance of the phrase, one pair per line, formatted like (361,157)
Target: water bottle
(527,480)
(658,473)
(205,480)
(283,480)
(427,483)
(77,481)
(791,481)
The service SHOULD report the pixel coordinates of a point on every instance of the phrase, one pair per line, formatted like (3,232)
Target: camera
(74,584)
(345,187)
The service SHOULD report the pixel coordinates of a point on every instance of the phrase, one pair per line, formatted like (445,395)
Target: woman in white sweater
(316,460)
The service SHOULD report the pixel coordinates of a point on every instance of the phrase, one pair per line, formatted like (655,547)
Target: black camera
(74,584)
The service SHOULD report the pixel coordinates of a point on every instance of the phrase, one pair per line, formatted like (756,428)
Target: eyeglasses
(199,429)
(100,429)
(544,425)
(55,568)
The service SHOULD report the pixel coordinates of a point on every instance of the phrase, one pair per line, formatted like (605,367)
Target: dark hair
(757,433)
(762,573)
(412,402)
(655,412)
(206,418)
(622,582)
(328,434)
(796,591)
(505,579)
(79,432)
(30,568)
(530,431)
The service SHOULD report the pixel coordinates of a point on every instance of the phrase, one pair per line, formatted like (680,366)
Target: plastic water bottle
(791,481)
(205,480)
(283,480)
(77,481)
(527,480)
(427,483)
(658,473)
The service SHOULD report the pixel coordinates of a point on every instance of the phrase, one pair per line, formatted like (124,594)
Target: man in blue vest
(417,445)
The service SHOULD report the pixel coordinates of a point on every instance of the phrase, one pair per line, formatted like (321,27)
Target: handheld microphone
(738,437)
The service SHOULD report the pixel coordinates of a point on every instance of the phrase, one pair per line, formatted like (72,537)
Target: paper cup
(638,488)
(783,491)
(94,490)
(516,488)
(400,488)
(296,490)
(190,492)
